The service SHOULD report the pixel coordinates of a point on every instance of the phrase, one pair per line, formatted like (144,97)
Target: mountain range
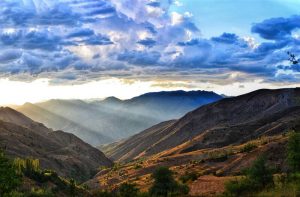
(220,138)
(103,121)
(69,156)
(228,121)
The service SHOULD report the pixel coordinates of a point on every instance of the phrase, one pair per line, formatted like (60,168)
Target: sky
(87,49)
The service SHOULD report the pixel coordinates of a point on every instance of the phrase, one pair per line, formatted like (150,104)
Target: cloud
(32,39)
(10,55)
(82,40)
(81,33)
(140,57)
(26,13)
(154,4)
(98,40)
(277,28)
(227,38)
(149,42)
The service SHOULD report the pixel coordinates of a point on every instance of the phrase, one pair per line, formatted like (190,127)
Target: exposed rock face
(225,122)
(57,150)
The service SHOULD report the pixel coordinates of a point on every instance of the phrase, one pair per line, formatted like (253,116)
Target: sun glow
(15,92)
(18,93)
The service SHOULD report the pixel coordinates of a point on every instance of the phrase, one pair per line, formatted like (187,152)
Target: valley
(104,121)
(150,98)
(213,144)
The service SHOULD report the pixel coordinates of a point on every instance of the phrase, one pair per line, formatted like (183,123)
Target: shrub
(293,151)
(260,174)
(143,194)
(72,187)
(40,193)
(9,178)
(137,166)
(218,156)
(165,185)
(30,168)
(189,176)
(116,167)
(258,177)
(237,187)
(103,194)
(248,147)
(128,190)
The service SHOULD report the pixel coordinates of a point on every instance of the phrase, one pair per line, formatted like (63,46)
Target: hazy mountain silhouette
(104,121)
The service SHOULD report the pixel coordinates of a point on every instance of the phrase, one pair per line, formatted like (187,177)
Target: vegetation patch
(248,147)
(259,179)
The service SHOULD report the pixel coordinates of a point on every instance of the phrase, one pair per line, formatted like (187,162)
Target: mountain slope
(57,150)
(228,121)
(59,122)
(115,119)
(132,147)
(220,139)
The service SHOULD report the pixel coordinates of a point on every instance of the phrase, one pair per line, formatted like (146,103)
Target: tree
(258,177)
(259,173)
(293,151)
(165,185)
(9,179)
(128,190)
(72,187)
(292,58)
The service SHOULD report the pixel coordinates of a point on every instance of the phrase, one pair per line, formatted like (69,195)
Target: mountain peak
(112,99)
(8,114)
(179,93)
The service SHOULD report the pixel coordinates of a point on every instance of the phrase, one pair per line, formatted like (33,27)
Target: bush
(116,167)
(189,176)
(219,155)
(165,185)
(40,193)
(30,168)
(137,166)
(237,187)
(248,147)
(9,178)
(258,177)
(128,190)
(260,174)
(293,152)
(103,194)
(72,187)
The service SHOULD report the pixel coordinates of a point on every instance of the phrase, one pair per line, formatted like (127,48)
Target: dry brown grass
(208,186)
(196,161)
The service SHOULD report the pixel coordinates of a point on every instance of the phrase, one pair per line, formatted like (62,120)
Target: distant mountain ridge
(63,152)
(57,121)
(104,121)
(228,121)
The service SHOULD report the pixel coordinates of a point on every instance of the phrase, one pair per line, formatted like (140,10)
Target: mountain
(63,152)
(103,121)
(226,122)
(59,122)
(214,142)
